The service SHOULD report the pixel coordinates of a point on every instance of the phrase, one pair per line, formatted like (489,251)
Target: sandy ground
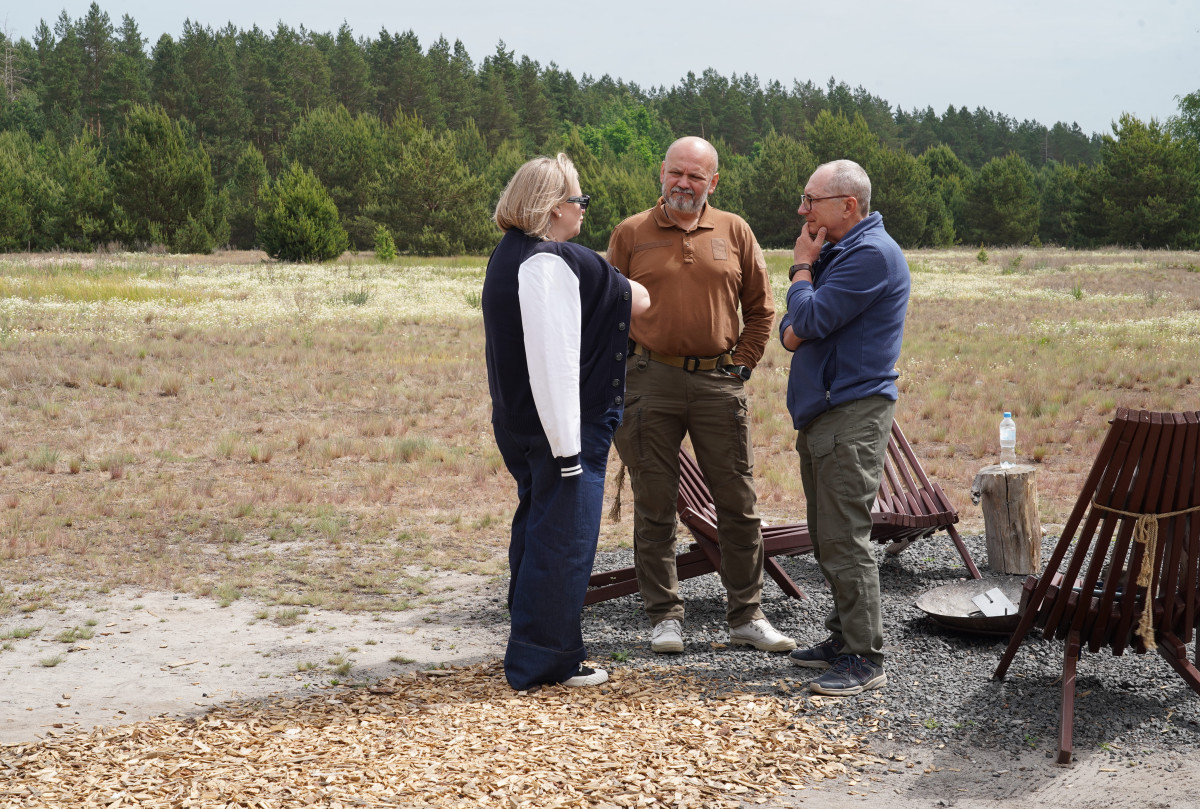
(153,654)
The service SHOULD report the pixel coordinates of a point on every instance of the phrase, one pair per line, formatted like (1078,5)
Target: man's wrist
(797,268)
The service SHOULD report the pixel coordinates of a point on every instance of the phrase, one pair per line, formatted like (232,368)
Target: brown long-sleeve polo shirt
(697,280)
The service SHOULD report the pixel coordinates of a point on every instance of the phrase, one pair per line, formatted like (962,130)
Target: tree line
(305,143)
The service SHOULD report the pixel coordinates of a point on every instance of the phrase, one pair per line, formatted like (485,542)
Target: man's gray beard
(692,205)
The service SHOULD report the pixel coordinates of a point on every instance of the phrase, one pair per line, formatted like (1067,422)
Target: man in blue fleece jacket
(845,323)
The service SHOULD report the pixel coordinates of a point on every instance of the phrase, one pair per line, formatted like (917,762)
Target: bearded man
(688,362)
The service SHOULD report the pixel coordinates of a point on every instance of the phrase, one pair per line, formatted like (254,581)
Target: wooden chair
(1125,571)
(908,507)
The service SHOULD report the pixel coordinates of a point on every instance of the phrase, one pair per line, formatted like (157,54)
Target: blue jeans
(554,534)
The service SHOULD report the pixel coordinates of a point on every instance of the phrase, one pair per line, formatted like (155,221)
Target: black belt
(689,364)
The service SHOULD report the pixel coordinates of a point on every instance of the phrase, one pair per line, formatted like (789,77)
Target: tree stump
(1012,526)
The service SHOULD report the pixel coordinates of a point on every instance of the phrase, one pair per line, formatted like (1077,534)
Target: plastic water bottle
(1008,439)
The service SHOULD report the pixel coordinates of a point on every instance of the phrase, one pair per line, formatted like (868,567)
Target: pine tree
(297,220)
(1144,191)
(85,214)
(426,197)
(1002,203)
(773,192)
(244,191)
(62,66)
(349,75)
(98,50)
(163,185)
(128,79)
(30,200)
(345,153)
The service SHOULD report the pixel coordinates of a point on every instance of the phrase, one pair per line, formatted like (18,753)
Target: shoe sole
(670,647)
(875,682)
(782,646)
(810,664)
(582,682)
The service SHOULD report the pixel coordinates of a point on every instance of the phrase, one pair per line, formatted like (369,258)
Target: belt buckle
(691,364)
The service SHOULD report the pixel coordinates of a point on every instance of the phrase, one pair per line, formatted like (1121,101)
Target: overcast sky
(1078,61)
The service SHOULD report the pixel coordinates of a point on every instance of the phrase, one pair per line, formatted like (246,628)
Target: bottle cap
(1007,414)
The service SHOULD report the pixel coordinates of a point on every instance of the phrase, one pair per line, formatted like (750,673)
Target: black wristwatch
(739,371)
(795,268)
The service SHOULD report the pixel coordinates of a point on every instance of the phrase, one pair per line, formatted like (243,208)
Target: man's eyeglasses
(805,199)
(582,202)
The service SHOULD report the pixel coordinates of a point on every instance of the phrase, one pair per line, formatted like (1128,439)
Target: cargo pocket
(628,437)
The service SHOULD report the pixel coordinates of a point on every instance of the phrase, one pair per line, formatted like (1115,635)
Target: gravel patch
(939,691)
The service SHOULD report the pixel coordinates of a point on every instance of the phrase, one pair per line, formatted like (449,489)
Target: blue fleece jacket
(851,319)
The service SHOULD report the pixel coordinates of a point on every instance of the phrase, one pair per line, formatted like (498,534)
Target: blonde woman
(556,319)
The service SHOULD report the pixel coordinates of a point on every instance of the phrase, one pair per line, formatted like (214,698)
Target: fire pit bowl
(951,605)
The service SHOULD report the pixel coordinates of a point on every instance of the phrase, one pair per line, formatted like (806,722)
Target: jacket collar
(871,220)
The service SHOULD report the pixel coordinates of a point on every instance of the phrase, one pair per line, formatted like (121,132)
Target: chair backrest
(1134,530)
(693,489)
(908,505)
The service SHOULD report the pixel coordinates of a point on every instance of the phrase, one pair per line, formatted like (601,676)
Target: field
(227,426)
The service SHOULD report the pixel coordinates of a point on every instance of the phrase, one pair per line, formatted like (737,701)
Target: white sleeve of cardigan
(551,316)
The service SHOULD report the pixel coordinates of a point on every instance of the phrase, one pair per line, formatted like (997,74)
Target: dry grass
(302,434)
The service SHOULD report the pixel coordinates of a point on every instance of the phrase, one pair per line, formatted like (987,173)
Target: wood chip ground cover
(453,738)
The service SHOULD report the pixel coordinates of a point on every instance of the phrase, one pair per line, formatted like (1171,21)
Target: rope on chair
(614,511)
(1145,532)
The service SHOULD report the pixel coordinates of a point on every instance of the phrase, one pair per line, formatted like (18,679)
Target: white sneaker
(667,636)
(761,635)
(586,676)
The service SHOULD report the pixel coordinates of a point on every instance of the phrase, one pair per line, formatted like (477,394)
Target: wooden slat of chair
(1177,586)
(1181,630)
(693,488)
(1191,566)
(930,508)
(1120,474)
(1149,464)
(1136,494)
(1181,479)
(1146,498)
(901,463)
(1161,499)
(1044,589)
(705,532)
(623,581)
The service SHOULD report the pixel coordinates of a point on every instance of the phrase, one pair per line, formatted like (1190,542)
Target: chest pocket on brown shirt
(637,248)
(720,249)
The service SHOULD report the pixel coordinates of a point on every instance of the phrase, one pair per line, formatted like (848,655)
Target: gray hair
(847,177)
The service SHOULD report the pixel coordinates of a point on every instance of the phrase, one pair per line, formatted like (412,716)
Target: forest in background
(306,143)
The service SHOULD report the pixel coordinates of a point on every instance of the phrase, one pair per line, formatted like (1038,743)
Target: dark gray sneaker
(850,674)
(820,656)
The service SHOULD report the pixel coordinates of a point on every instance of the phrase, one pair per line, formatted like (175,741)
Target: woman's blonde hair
(532,193)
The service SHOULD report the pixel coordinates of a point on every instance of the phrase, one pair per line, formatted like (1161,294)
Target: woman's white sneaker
(587,676)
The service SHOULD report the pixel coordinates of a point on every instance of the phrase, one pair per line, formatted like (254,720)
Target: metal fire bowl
(951,606)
